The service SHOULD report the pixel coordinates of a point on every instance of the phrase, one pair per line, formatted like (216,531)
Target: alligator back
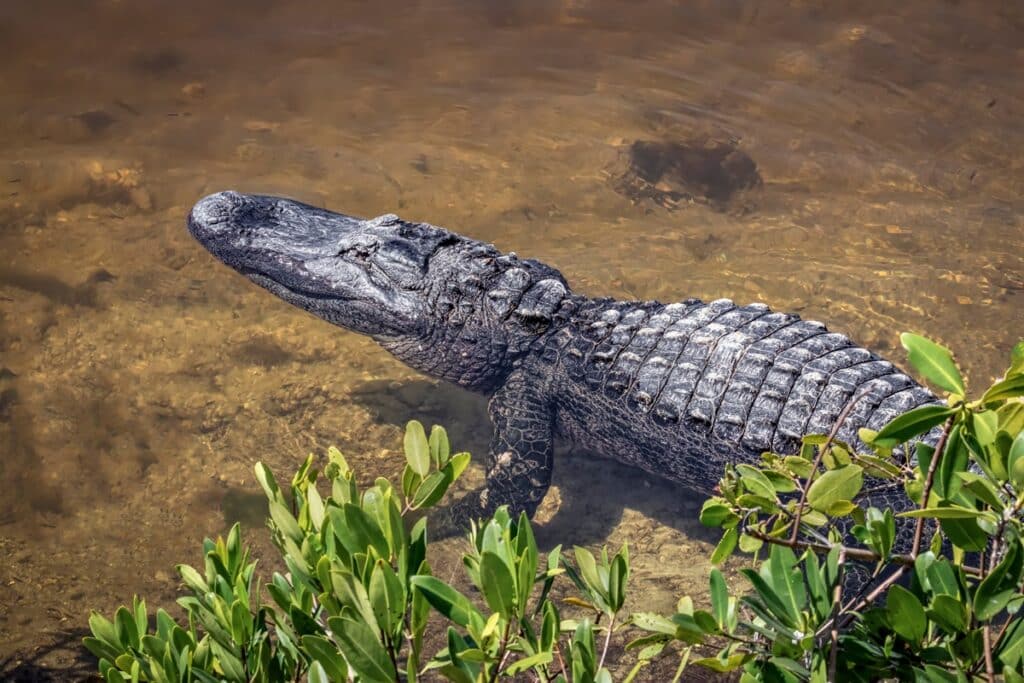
(682,389)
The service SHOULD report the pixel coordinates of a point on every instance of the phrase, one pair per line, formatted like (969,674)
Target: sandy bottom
(140,380)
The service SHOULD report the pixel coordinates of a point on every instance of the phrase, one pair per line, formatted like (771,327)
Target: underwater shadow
(29,668)
(593,490)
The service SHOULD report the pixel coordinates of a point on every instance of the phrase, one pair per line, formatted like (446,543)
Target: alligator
(678,390)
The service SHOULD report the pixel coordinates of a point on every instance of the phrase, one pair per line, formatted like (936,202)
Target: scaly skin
(679,390)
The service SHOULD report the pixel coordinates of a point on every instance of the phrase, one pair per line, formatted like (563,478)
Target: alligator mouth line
(273,285)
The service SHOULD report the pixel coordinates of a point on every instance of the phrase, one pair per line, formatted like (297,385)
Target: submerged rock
(674,174)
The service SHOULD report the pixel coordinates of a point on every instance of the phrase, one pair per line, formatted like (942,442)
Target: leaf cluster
(927,587)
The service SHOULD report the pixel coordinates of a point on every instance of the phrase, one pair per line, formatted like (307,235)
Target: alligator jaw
(310,257)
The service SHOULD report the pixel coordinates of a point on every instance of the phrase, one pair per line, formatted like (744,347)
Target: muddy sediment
(140,380)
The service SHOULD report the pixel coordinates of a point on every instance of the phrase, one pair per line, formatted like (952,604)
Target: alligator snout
(213,213)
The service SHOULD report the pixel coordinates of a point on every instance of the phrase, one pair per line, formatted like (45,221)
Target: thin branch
(860,554)
(558,652)
(837,605)
(875,593)
(817,461)
(990,669)
(607,641)
(929,480)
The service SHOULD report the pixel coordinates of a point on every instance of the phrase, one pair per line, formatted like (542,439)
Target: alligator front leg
(520,462)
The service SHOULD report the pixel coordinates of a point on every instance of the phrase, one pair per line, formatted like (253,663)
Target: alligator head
(447,305)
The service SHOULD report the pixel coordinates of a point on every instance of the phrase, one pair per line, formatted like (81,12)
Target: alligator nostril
(212,211)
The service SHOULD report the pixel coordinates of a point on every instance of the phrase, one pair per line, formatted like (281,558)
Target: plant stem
(817,462)
(503,652)
(929,480)
(561,662)
(607,641)
(837,606)
(990,669)
(860,554)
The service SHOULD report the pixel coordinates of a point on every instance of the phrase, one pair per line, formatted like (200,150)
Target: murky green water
(140,380)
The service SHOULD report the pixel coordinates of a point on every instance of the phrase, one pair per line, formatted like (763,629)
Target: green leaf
(981,487)
(944,512)
(955,458)
(521,665)
(387,596)
(103,629)
(432,489)
(834,486)
(724,664)
(588,570)
(327,655)
(285,522)
(964,533)
(911,424)
(618,575)
(100,648)
(755,481)
(363,531)
(725,546)
(417,450)
(497,584)
(440,451)
(458,463)
(266,479)
(193,579)
(1011,650)
(1000,586)
(410,482)
(1011,387)
(906,614)
(949,613)
(448,601)
(364,653)
(318,674)
(716,512)
(933,362)
(720,599)
(127,631)
(781,571)
(1015,460)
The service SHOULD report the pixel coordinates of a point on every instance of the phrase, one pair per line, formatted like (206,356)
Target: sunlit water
(140,380)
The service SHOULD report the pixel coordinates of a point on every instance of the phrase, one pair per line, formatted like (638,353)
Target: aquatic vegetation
(837,592)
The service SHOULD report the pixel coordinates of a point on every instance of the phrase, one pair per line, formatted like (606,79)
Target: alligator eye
(360,253)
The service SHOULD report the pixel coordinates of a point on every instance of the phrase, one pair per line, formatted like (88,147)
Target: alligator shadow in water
(593,494)
(65,647)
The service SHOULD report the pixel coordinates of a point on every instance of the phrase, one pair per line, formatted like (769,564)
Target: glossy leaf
(448,601)
(440,450)
(1012,387)
(755,481)
(498,584)
(964,533)
(725,546)
(934,362)
(912,423)
(432,489)
(1015,461)
(834,486)
(719,599)
(1000,586)
(906,614)
(327,655)
(417,449)
(945,512)
(521,665)
(363,651)
(949,613)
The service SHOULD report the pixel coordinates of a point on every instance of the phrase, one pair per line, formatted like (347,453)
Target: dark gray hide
(678,390)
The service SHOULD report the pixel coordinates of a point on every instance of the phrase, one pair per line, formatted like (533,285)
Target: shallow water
(140,380)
